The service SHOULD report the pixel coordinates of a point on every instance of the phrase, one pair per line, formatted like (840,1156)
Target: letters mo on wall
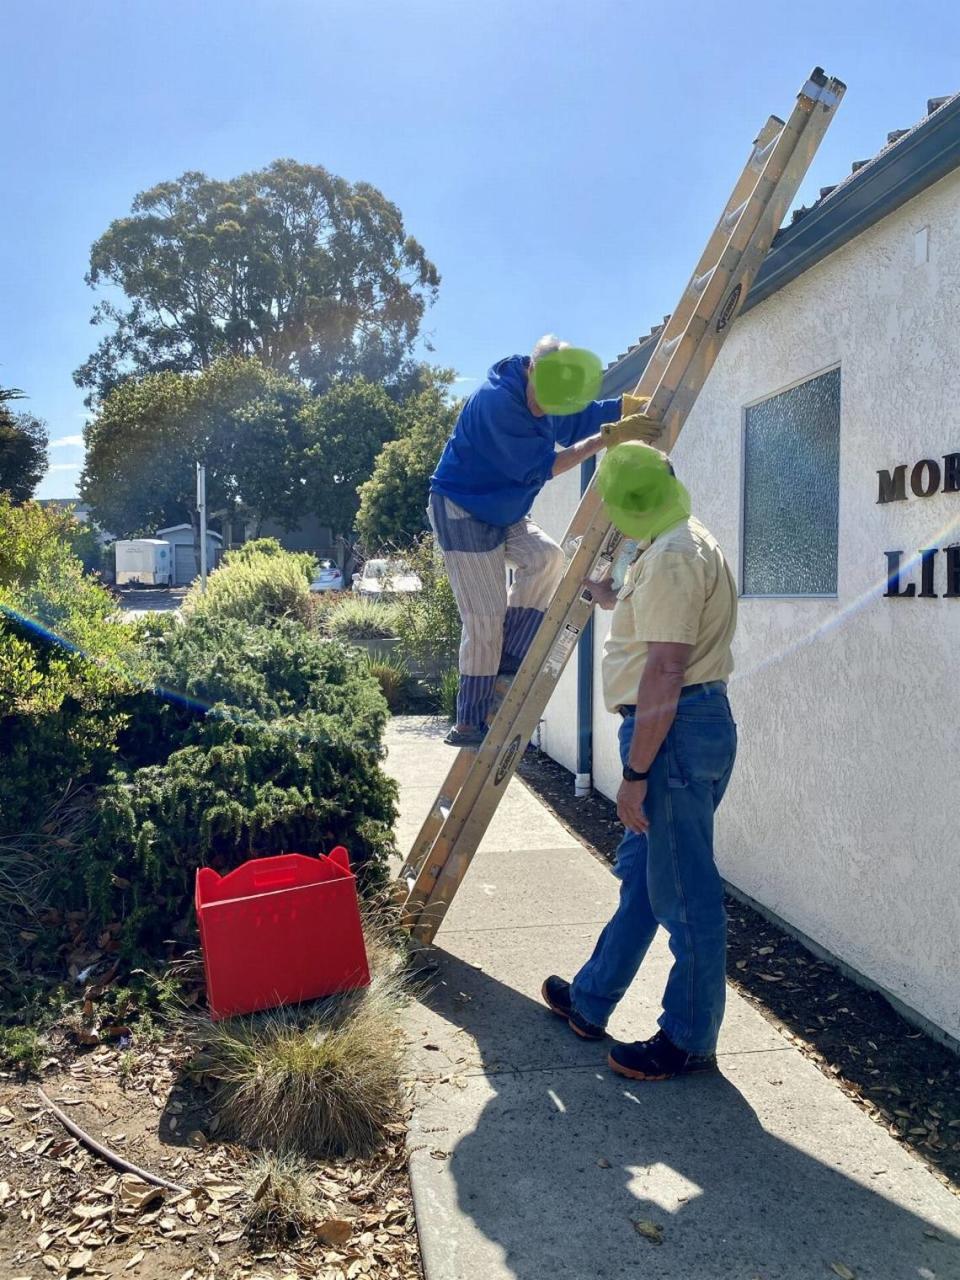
(927,478)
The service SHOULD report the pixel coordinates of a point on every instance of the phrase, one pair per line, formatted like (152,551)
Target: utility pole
(202,511)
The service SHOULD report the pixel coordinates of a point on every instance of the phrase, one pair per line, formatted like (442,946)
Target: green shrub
(251,551)
(274,671)
(428,621)
(255,583)
(33,539)
(353,618)
(271,744)
(66,669)
(393,676)
(21,1049)
(322,604)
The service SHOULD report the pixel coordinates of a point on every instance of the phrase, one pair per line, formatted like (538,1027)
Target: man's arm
(628,406)
(657,698)
(572,428)
(567,459)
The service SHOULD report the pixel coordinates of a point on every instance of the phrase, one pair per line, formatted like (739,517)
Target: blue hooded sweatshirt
(500,456)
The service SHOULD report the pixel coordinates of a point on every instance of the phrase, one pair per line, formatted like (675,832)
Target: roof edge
(916,162)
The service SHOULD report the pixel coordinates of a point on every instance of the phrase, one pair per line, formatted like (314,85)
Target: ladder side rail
(434,820)
(775,211)
(521,710)
(501,733)
(757,161)
(682,348)
(447,861)
(676,322)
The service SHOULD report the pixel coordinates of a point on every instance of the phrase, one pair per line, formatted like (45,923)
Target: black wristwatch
(631,775)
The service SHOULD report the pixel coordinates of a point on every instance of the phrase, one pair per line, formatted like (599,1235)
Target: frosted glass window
(791,491)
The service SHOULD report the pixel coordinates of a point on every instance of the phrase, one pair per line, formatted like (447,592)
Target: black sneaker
(556,994)
(470,738)
(657,1059)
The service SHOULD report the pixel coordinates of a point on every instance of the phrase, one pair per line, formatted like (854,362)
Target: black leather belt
(689,691)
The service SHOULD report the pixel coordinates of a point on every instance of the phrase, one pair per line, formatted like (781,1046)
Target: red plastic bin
(280,930)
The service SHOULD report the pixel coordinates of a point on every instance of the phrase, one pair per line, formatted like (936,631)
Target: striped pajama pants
(498,624)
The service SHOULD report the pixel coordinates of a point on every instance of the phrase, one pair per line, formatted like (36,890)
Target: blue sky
(561,163)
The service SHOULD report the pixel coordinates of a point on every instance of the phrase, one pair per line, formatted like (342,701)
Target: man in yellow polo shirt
(665,667)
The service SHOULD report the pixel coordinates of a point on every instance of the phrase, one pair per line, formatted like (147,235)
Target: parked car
(385,577)
(327,578)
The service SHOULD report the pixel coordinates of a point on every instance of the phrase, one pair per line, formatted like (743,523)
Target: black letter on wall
(928,564)
(893,488)
(951,473)
(953,571)
(933,478)
(893,591)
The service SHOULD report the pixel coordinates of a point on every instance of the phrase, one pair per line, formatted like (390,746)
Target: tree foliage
(237,417)
(313,275)
(23,449)
(393,501)
(346,430)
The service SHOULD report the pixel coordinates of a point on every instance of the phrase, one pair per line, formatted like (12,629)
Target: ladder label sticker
(729,307)
(562,649)
(508,758)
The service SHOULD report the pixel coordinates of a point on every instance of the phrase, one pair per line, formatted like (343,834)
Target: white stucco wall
(558,730)
(843,813)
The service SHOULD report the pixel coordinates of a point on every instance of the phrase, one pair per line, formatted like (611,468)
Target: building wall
(842,814)
(186,562)
(309,535)
(558,730)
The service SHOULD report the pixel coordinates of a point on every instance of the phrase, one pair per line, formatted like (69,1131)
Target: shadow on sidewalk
(564,1161)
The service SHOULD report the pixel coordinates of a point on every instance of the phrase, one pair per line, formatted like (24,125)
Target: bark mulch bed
(901,1077)
(66,1213)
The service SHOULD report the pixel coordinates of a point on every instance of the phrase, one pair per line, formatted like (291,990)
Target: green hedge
(257,740)
(204,741)
(233,791)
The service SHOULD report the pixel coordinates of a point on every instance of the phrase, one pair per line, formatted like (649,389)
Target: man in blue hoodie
(503,450)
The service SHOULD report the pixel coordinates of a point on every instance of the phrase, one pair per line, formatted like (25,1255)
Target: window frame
(752,404)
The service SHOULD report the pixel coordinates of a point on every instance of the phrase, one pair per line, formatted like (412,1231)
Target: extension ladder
(684,355)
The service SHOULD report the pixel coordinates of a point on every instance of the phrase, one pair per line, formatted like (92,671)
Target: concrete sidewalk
(531,1160)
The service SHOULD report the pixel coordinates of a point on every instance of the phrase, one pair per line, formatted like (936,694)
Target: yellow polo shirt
(680,590)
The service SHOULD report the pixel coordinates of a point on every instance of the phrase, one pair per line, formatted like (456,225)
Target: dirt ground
(904,1079)
(64,1212)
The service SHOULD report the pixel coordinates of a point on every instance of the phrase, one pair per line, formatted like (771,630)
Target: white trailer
(144,562)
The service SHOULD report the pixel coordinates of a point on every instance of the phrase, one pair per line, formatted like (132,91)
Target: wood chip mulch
(66,1213)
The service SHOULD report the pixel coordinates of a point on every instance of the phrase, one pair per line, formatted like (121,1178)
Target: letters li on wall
(926,479)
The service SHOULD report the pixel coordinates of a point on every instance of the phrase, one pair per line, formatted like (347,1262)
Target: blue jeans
(668,877)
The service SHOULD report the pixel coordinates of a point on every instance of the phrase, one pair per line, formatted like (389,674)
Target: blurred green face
(566,381)
(640,493)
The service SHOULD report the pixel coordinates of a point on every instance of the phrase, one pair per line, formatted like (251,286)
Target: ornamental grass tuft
(319,1080)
